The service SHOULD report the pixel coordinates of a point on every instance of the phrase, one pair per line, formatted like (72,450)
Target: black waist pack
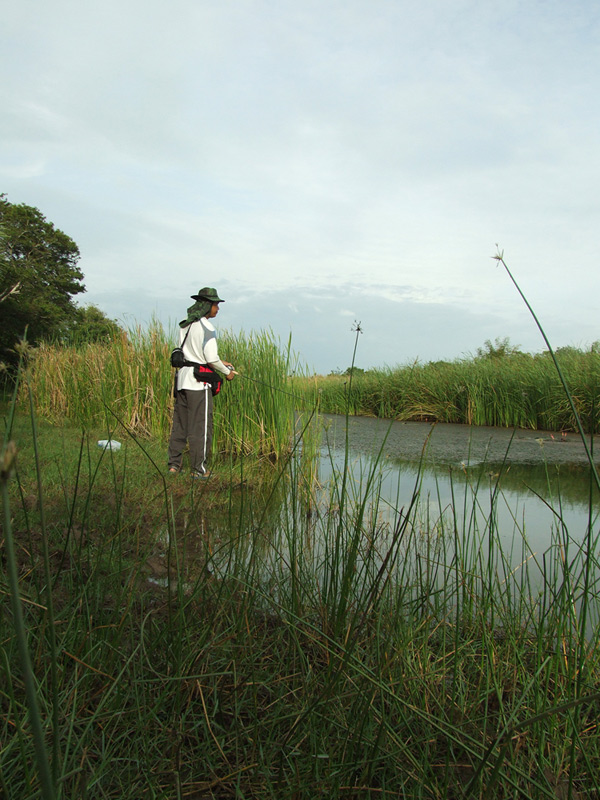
(205,374)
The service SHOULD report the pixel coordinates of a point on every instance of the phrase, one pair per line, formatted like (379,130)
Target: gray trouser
(192,422)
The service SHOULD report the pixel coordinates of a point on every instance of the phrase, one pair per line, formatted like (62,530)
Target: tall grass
(290,645)
(517,390)
(130,379)
(285,638)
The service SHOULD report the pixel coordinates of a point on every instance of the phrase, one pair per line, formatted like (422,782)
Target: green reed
(273,634)
(46,767)
(300,640)
(518,390)
(130,380)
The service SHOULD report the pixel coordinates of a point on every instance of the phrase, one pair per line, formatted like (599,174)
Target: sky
(322,163)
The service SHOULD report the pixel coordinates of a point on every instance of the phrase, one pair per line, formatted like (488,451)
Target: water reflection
(534,484)
(483,519)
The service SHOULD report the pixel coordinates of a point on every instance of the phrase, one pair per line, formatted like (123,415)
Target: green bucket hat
(208,294)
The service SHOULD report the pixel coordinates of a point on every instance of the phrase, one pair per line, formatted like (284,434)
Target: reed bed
(258,640)
(517,390)
(286,637)
(129,381)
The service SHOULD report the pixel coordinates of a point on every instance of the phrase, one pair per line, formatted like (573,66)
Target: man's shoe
(200,475)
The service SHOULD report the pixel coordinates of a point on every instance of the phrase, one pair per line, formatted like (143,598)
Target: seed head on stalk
(499,257)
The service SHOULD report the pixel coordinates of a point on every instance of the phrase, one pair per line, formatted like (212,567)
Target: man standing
(193,413)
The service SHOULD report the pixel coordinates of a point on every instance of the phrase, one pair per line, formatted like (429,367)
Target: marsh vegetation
(509,389)
(267,634)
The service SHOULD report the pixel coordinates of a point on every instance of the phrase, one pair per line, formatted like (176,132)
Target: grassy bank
(269,639)
(515,390)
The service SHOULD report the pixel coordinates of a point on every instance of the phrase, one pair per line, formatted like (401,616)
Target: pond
(537,484)
(433,513)
(520,505)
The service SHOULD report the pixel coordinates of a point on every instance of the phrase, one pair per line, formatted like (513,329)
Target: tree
(38,277)
(90,325)
(500,349)
(353,371)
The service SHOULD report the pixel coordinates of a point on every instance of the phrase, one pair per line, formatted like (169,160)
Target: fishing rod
(270,386)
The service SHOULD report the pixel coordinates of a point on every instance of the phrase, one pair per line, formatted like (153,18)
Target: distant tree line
(39,279)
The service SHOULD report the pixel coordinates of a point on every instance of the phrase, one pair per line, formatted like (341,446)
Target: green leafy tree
(354,371)
(90,324)
(501,348)
(38,277)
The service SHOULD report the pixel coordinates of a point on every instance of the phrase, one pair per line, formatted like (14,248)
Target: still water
(537,482)
(513,513)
